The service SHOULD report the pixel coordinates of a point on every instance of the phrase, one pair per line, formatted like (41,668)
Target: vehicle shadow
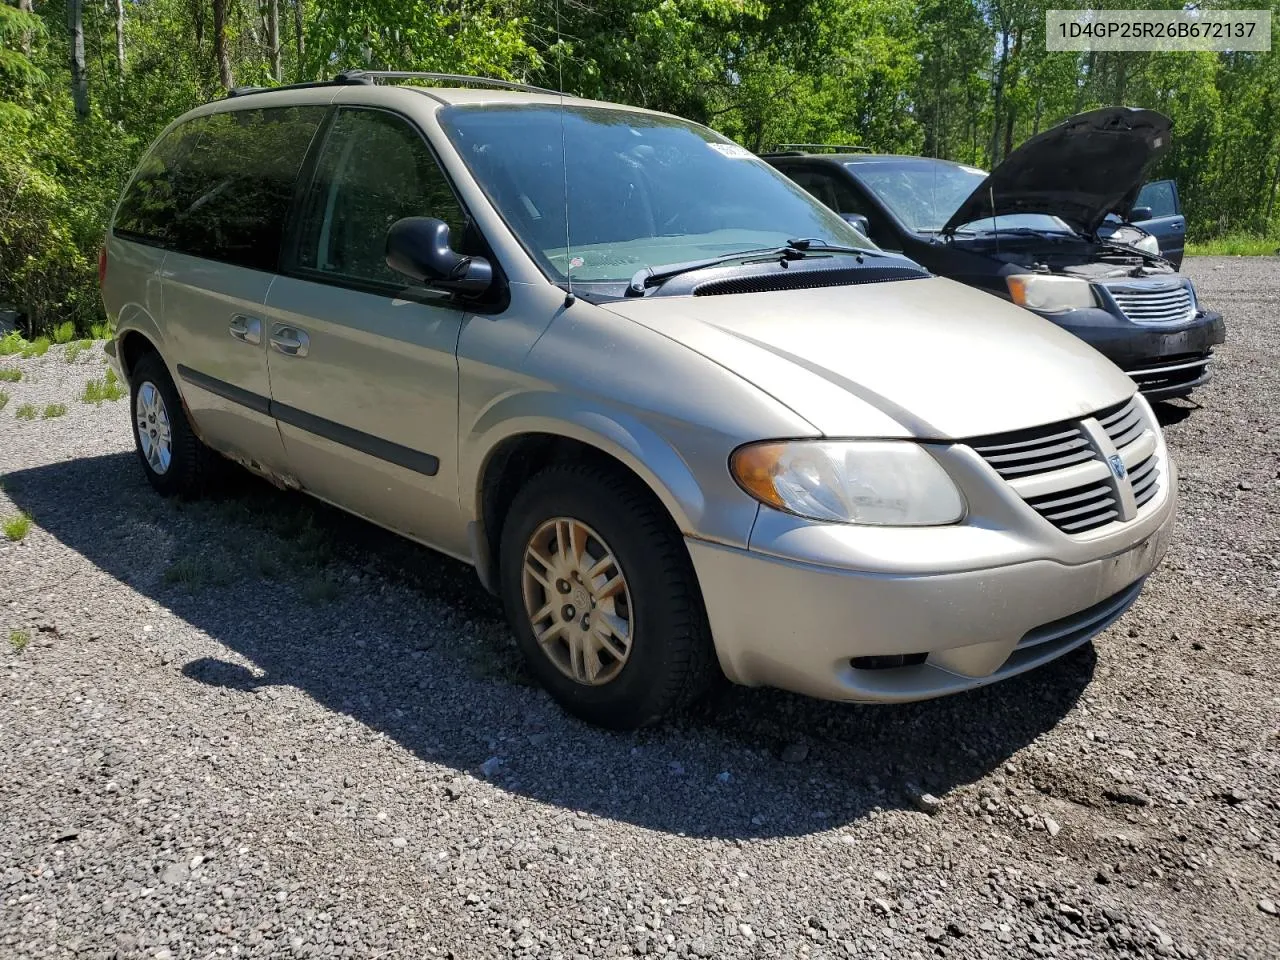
(1169,412)
(417,650)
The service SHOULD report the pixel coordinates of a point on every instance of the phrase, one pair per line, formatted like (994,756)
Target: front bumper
(976,602)
(1165,361)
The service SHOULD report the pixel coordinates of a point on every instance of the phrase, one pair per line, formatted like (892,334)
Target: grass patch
(268,564)
(11,343)
(16,528)
(53,410)
(18,640)
(103,388)
(4,399)
(64,332)
(320,589)
(194,572)
(102,331)
(1235,245)
(75,349)
(26,412)
(10,375)
(35,348)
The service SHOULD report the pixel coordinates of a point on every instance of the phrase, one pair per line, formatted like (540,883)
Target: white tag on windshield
(981,173)
(731,150)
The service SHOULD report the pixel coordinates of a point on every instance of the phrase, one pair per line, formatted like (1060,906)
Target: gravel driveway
(254,727)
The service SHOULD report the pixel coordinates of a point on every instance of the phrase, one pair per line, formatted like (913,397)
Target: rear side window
(373,170)
(1159,196)
(150,207)
(222,190)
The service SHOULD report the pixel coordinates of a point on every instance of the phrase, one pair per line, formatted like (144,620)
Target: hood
(930,358)
(1081,170)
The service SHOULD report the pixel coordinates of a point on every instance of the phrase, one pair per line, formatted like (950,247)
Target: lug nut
(568,613)
(563,586)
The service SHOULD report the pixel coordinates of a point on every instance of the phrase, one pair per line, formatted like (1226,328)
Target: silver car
(679,416)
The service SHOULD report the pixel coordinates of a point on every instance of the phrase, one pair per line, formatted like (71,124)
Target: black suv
(1050,229)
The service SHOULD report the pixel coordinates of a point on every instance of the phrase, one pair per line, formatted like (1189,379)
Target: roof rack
(369,77)
(372,76)
(799,149)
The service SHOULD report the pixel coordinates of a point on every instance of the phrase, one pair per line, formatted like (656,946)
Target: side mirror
(858,222)
(1138,214)
(419,248)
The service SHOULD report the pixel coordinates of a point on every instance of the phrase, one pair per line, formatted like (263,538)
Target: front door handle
(290,341)
(246,329)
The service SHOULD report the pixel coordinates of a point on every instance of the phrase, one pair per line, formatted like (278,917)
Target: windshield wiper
(798,249)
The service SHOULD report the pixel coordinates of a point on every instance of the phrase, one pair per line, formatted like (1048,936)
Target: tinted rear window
(219,186)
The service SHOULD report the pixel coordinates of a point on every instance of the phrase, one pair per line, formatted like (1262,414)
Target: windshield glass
(644,190)
(922,193)
(1018,221)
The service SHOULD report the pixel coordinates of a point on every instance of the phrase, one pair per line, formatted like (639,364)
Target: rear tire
(175,460)
(649,636)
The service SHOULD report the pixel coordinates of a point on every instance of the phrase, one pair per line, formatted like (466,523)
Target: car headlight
(1049,294)
(893,483)
(1147,244)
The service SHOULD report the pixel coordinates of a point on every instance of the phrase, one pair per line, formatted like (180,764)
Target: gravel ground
(254,727)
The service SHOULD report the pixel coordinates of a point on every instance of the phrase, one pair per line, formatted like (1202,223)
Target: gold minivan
(680,416)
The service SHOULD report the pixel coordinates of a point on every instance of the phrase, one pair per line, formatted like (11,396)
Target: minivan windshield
(644,190)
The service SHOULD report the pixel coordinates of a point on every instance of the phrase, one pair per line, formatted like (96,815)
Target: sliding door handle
(246,329)
(290,341)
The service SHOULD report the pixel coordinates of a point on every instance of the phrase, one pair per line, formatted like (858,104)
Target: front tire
(175,460)
(602,597)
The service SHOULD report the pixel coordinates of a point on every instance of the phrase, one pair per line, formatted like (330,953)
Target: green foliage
(17,527)
(11,343)
(27,411)
(1236,245)
(53,410)
(18,640)
(104,388)
(10,374)
(36,348)
(73,351)
(962,79)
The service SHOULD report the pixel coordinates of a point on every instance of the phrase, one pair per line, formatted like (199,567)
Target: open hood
(1081,170)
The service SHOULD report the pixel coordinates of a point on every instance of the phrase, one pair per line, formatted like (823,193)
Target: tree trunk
(273,38)
(25,40)
(79,75)
(120,35)
(300,39)
(220,55)
(999,96)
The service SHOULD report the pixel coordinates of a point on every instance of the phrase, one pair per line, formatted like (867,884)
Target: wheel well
(513,463)
(133,347)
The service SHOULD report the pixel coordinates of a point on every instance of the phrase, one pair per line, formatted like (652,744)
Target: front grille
(1063,471)
(1155,304)
(1171,373)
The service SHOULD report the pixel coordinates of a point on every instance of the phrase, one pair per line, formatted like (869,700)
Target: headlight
(894,483)
(1049,294)
(1147,244)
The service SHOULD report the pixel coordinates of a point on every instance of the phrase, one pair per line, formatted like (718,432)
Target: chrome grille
(1036,451)
(1061,472)
(1163,304)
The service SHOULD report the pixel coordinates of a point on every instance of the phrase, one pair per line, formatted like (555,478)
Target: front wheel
(602,597)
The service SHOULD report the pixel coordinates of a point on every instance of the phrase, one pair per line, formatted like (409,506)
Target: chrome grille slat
(1049,467)
(1154,305)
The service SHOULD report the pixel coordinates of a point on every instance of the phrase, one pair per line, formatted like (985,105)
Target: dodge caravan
(681,417)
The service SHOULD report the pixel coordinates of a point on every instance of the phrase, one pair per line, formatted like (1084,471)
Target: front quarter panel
(664,411)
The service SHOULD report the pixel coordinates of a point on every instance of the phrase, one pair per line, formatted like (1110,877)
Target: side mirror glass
(858,222)
(1138,214)
(418,247)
